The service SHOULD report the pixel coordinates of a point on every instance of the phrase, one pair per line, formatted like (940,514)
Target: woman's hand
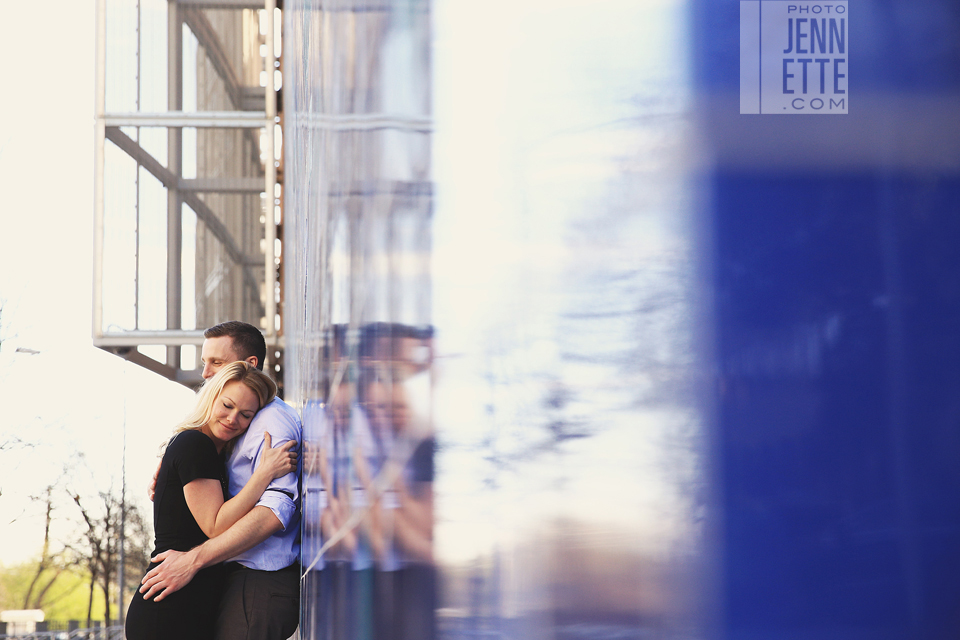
(276,463)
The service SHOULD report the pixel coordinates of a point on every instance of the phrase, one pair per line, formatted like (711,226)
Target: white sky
(71,397)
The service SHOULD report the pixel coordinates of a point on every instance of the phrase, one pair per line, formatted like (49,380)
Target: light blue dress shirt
(282,497)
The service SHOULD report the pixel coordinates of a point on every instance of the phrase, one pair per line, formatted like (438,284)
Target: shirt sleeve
(194,456)
(282,495)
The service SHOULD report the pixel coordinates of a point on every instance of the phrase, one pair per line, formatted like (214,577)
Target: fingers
(289,463)
(283,454)
(152,587)
(156,590)
(151,583)
(160,557)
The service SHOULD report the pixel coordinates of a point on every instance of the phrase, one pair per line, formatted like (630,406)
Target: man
(261,599)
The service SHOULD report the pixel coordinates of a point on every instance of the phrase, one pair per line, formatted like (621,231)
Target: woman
(189,506)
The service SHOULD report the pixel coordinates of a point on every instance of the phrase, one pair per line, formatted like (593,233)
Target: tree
(50,581)
(100,549)
(66,598)
(51,565)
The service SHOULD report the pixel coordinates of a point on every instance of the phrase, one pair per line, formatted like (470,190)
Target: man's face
(215,353)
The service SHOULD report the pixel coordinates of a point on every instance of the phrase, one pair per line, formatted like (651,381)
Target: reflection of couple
(368,534)
(186,592)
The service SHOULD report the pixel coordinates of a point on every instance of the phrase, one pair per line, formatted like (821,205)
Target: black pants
(259,605)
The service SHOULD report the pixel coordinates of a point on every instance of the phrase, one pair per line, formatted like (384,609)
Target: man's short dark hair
(247,339)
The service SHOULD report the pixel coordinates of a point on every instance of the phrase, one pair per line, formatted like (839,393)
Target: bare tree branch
(102,549)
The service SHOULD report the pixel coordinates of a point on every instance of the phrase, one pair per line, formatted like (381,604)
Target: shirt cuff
(281,505)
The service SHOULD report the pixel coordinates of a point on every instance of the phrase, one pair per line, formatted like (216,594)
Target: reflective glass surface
(585,351)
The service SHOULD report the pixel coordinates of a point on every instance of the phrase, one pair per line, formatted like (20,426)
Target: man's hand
(175,571)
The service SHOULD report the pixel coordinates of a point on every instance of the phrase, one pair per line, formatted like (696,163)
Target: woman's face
(233,410)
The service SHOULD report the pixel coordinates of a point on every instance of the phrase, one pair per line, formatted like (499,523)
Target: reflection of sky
(562,272)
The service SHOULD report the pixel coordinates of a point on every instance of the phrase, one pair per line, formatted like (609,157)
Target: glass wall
(591,340)
(360,338)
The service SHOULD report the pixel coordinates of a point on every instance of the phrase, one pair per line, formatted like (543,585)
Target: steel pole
(270,169)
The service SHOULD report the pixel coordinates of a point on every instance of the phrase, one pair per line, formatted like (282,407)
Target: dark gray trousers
(259,605)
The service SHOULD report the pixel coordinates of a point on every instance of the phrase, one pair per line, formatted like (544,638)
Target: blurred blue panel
(837,314)
(838,352)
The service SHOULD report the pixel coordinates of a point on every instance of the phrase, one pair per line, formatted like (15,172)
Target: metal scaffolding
(188,178)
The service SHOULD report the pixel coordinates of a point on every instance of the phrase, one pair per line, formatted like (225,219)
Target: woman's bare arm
(204,496)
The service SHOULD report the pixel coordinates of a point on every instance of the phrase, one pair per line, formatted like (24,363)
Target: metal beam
(200,119)
(130,339)
(139,337)
(363,122)
(169,180)
(208,39)
(130,353)
(223,185)
(222,4)
(138,153)
(373,188)
(270,177)
(174,197)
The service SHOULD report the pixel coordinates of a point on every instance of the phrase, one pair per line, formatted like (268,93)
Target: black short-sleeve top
(190,455)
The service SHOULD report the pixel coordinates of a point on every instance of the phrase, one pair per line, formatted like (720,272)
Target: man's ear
(252,361)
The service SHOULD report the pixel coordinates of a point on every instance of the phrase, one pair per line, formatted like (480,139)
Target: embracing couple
(226,507)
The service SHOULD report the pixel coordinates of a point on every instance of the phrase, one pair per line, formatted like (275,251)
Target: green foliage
(65,600)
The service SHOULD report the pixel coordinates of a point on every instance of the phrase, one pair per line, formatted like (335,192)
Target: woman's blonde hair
(240,371)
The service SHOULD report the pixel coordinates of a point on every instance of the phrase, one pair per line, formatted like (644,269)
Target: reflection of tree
(621,340)
(639,323)
(100,552)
